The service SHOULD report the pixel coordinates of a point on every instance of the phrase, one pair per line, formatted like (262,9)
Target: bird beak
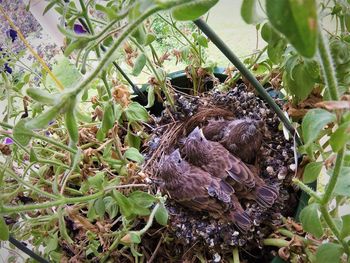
(201,133)
(176,153)
(194,133)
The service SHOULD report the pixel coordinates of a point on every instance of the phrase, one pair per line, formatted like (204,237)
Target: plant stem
(307,189)
(172,24)
(327,67)
(61,201)
(236,255)
(56,143)
(160,81)
(290,234)
(276,242)
(6,125)
(331,224)
(334,178)
(150,220)
(109,55)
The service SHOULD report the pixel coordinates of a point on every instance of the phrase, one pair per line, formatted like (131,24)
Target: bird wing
(241,173)
(203,192)
(224,165)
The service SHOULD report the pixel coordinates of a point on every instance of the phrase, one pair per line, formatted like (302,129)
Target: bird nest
(194,235)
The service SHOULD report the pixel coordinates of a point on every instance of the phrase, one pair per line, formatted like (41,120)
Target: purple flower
(12,34)
(79,29)
(7,68)
(8,141)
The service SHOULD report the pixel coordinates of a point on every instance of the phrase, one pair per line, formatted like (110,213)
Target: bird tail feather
(266,195)
(242,221)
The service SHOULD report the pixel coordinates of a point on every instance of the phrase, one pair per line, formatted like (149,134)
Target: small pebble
(216,257)
(270,170)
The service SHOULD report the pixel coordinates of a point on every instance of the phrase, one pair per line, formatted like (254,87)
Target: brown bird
(216,160)
(198,190)
(242,137)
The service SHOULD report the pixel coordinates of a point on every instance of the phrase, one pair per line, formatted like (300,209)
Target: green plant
(65,169)
(309,62)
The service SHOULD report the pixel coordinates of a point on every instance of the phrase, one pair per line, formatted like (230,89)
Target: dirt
(192,235)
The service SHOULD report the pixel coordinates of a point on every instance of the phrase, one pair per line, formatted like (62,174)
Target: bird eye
(179,161)
(201,139)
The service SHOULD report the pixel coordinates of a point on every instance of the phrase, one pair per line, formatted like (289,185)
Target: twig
(155,250)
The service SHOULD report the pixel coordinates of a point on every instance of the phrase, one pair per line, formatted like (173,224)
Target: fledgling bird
(242,137)
(198,190)
(219,162)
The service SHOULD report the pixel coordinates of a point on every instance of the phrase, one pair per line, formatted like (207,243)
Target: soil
(192,236)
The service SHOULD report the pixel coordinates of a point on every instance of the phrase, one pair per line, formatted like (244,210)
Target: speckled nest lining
(198,233)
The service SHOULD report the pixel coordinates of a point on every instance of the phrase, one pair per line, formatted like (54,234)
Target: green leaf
(142,198)
(132,140)
(91,214)
(340,137)
(202,41)
(311,221)
(150,97)
(312,171)
(313,123)
(329,252)
(343,183)
(313,69)
(100,135)
(249,13)
(126,207)
(32,156)
(140,35)
(43,119)
(297,20)
(131,237)
(97,181)
(299,84)
(111,207)
(150,38)
(269,34)
(4,230)
(83,116)
(139,210)
(135,237)
(134,155)
(79,43)
(193,10)
(52,244)
(345,231)
(108,118)
(100,208)
(140,63)
(66,72)
(43,96)
(162,215)
(71,122)
(110,12)
(49,6)
(347,21)
(135,112)
(21,133)
(275,51)
(118,110)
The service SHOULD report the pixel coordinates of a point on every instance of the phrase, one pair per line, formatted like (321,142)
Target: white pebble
(217,257)
(292,167)
(270,170)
